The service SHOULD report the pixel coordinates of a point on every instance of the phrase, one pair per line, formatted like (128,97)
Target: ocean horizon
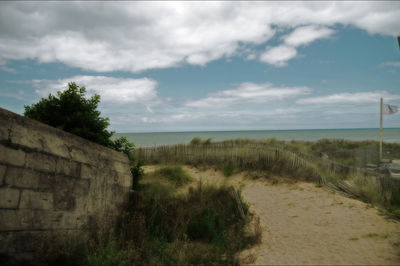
(145,139)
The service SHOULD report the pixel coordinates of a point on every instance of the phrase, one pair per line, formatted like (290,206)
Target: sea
(170,138)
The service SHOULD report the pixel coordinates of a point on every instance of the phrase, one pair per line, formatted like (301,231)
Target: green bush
(199,141)
(71,111)
(137,174)
(195,141)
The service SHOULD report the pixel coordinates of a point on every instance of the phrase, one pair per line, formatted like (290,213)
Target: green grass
(158,227)
(228,169)
(173,173)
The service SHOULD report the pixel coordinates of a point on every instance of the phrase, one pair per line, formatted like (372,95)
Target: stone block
(81,187)
(56,145)
(81,155)
(3,131)
(11,156)
(121,167)
(81,205)
(7,242)
(68,167)
(9,198)
(3,169)
(16,242)
(64,198)
(87,171)
(93,172)
(97,187)
(39,139)
(25,219)
(22,178)
(46,182)
(124,179)
(36,200)
(27,136)
(12,220)
(40,161)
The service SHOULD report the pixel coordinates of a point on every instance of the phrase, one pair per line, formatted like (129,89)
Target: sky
(207,66)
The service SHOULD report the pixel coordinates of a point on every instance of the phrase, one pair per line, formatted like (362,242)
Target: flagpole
(381,133)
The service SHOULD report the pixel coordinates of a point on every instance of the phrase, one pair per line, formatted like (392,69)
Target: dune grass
(174,174)
(160,227)
(309,161)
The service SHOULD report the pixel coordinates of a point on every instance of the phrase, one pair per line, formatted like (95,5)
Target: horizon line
(253,130)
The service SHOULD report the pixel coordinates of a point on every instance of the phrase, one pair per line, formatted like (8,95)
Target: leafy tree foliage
(70,111)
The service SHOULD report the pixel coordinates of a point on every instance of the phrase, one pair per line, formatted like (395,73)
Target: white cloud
(278,56)
(135,36)
(307,34)
(111,90)
(391,64)
(350,98)
(248,93)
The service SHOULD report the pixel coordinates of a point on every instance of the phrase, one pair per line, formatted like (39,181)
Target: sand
(307,225)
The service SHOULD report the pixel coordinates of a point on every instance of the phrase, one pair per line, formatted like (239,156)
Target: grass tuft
(173,173)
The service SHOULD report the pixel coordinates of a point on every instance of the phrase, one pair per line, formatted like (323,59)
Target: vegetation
(314,161)
(161,227)
(70,111)
(199,141)
(174,173)
(230,157)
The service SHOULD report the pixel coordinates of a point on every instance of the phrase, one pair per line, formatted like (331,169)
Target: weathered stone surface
(81,187)
(80,155)
(46,182)
(64,199)
(40,161)
(3,169)
(11,220)
(3,131)
(27,136)
(16,242)
(88,171)
(36,200)
(121,167)
(9,197)
(7,240)
(22,178)
(67,167)
(53,180)
(37,139)
(11,156)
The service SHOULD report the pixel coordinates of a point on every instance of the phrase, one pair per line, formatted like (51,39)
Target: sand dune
(307,225)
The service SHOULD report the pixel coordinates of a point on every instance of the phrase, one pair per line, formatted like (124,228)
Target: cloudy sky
(199,66)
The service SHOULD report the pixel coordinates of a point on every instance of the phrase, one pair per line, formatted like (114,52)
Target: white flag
(389,109)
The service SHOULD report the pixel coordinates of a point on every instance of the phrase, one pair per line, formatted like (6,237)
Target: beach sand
(308,225)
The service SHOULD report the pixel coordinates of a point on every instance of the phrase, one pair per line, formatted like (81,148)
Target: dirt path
(304,224)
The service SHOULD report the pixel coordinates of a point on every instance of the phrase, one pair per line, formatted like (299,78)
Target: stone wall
(52,180)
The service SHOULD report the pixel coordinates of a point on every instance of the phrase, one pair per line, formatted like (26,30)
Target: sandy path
(304,224)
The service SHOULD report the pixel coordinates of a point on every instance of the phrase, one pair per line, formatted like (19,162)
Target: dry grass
(291,160)
(159,226)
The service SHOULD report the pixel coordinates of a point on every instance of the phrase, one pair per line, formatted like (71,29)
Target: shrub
(195,141)
(137,174)
(71,111)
